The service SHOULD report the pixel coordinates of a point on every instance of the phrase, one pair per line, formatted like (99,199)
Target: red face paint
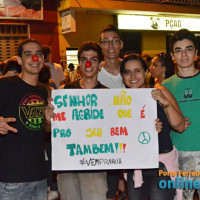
(88,64)
(35,58)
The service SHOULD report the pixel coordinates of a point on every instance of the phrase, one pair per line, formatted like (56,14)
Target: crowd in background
(110,70)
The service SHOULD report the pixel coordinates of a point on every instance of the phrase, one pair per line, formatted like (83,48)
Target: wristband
(169,104)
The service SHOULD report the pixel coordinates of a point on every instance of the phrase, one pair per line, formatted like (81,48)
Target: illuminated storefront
(146,29)
(157,23)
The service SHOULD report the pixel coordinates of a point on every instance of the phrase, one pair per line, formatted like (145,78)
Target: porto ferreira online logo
(31,112)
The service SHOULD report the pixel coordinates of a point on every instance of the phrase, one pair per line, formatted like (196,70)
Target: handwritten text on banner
(104,129)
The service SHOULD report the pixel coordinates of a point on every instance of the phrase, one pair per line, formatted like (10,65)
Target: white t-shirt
(57,73)
(109,80)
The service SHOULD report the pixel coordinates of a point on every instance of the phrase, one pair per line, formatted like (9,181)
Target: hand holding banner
(104,129)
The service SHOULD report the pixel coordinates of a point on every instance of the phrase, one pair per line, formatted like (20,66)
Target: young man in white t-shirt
(111,44)
(109,75)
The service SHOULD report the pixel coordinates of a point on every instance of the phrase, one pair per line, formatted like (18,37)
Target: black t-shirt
(164,138)
(76,85)
(22,154)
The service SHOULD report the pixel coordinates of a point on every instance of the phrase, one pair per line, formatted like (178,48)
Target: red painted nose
(88,64)
(35,58)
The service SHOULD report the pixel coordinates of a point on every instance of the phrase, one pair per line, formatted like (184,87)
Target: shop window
(72,56)
(11,36)
(132,42)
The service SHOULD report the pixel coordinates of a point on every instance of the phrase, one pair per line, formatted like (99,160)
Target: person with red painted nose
(35,58)
(83,185)
(22,157)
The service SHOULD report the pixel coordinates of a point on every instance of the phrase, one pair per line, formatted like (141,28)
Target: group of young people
(22,159)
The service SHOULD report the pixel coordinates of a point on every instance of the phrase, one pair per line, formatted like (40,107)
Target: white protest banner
(104,129)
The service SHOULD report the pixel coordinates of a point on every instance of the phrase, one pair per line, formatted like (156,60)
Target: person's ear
(172,55)
(19,60)
(196,51)
(100,66)
(146,72)
(121,45)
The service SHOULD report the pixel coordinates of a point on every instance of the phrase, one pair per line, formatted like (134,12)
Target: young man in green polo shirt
(185,87)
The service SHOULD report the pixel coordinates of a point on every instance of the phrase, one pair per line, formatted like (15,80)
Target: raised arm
(171,108)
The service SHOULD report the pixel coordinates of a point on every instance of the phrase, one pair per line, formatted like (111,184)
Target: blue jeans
(150,189)
(82,186)
(24,191)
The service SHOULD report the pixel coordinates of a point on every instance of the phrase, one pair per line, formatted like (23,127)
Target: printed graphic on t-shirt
(188,96)
(31,112)
(188,93)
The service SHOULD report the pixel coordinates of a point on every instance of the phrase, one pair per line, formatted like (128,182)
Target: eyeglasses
(113,42)
(187,50)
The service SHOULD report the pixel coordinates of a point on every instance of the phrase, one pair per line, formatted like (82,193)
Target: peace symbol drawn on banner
(144,137)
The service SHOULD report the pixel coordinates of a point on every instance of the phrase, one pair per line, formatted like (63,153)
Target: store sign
(68,21)
(133,22)
(104,129)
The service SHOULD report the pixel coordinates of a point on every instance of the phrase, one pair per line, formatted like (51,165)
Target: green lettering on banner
(72,101)
(65,97)
(101,149)
(87,114)
(81,102)
(60,101)
(63,133)
(95,149)
(101,114)
(71,147)
(96,114)
(76,149)
(94,100)
(88,100)
(109,148)
(87,149)
(56,99)
(81,115)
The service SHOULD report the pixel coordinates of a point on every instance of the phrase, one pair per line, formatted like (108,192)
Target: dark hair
(2,67)
(26,41)
(12,65)
(132,56)
(46,50)
(108,29)
(148,57)
(45,74)
(71,65)
(168,63)
(183,34)
(86,46)
(197,62)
